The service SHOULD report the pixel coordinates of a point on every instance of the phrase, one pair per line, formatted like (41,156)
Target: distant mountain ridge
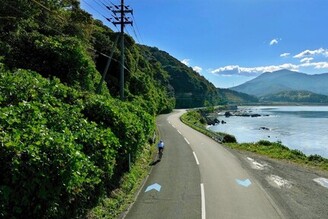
(284,80)
(234,97)
(296,97)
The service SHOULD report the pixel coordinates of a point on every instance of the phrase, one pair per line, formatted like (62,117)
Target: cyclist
(160,146)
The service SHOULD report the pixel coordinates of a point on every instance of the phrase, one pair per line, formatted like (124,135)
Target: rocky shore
(212,118)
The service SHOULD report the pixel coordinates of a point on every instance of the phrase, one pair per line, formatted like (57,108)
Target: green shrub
(56,162)
(264,143)
(229,139)
(316,158)
(129,123)
(44,173)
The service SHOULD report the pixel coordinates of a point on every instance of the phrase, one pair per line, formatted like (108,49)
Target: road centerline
(196,157)
(203,200)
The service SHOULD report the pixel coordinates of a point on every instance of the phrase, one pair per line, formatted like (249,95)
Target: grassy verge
(120,199)
(195,120)
(269,149)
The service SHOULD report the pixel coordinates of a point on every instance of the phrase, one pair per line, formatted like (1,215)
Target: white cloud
(197,69)
(316,65)
(252,71)
(274,41)
(186,61)
(306,60)
(308,53)
(286,54)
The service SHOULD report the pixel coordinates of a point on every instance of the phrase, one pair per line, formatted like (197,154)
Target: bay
(298,127)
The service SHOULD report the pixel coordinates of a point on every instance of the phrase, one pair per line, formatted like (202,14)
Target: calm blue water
(298,127)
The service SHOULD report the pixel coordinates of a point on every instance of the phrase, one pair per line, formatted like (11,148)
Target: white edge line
(179,132)
(186,141)
(203,200)
(196,158)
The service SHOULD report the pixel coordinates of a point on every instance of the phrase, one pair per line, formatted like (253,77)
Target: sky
(230,42)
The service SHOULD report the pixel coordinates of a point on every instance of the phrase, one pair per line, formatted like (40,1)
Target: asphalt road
(179,178)
(199,178)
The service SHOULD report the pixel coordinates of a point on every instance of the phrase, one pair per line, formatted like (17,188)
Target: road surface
(199,178)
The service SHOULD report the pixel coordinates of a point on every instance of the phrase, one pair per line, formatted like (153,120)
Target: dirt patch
(294,188)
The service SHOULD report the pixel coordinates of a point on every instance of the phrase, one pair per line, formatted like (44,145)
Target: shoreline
(297,127)
(275,150)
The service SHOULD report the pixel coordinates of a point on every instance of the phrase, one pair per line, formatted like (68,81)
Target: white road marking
(179,132)
(196,158)
(186,141)
(322,181)
(203,200)
(278,182)
(256,165)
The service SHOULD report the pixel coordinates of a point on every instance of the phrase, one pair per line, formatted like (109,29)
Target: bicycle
(160,153)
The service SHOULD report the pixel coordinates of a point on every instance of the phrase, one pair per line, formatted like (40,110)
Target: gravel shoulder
(290,185)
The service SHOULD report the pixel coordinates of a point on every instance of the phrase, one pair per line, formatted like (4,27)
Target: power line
(46,8)
(90,6)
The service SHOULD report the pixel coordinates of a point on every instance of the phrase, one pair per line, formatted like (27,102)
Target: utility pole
(122,20)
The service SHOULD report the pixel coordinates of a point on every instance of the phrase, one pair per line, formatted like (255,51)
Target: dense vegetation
(63,148)
(234,97)
(191,89)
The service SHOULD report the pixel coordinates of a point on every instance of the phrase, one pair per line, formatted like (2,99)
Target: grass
(269,149)
(194,119)
(119,200)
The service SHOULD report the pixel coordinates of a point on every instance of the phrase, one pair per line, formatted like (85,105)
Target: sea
(298,127)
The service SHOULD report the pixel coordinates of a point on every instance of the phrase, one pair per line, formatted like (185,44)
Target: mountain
(284,80)
(295,97)
(234,97)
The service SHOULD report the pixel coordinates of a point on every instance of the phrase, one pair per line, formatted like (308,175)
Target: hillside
(234,97)
(191,89)
(295,97)
(284,80)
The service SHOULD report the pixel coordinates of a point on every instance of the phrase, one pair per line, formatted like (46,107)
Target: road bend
(199,178)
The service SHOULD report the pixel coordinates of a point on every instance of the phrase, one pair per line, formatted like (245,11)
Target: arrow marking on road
(244,183)
(322,181)
(155,186)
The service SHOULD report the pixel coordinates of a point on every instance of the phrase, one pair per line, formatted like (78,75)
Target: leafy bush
(264,142)
(229,139)
(316,158)
(58,155)
(129,123)
(45,172)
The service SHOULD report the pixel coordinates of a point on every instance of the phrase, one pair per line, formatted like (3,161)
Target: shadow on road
(154,162)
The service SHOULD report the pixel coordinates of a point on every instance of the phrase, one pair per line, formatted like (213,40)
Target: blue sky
(231,41)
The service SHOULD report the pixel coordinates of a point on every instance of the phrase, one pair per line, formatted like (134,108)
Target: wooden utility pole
(122,20)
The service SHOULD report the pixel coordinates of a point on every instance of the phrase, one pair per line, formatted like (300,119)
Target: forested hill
(64,148)
(191,89)
(234,97)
